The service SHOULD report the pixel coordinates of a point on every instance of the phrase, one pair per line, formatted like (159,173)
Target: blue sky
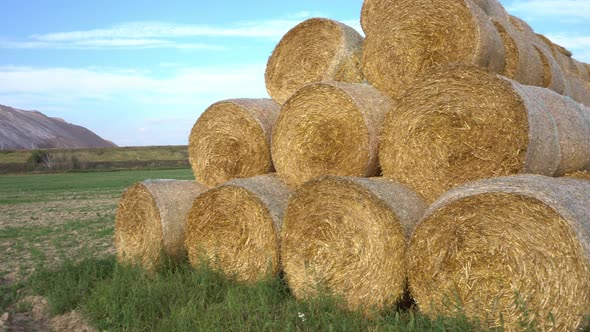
(141,72)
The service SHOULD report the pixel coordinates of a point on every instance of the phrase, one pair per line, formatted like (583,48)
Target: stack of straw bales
(406,38)
(363,133)
(458,124)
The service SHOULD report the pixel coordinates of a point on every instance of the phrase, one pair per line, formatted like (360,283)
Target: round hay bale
(231,139)
(494,9)
(235,227)
(523,62)
(572,127)
(553,77)
(414,35)
(348,236)
(578,90)
(315,50)
(513,252)
(459,124)
(151,219)
(565,61)
(329,128)
(583,72)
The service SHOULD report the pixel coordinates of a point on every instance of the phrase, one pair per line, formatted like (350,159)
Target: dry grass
(513,252)
(231,139)
(315,50)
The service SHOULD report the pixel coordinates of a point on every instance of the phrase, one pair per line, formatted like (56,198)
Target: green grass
(180,298)
(40,187)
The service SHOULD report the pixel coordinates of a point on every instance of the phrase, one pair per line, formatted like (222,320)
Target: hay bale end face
(150,221)
(348,236)
(512,252)
(231,139)
(329,128)
(315,50)
(459,124)
(412,36)
(235,227)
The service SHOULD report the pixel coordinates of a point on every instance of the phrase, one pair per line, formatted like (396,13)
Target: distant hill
(33,130)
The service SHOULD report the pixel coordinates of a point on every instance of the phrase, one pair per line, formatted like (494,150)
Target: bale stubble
(150,221)
(329,128)
(513,252)
(348,236)
(315,50)
(235,227)
(231,139)
(408,37)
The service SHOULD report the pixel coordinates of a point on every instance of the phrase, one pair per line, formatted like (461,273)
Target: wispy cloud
(568,9)
(163,35)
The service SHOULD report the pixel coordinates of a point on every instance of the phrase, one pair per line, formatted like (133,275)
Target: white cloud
(569,9)
(166,108)
(163,35)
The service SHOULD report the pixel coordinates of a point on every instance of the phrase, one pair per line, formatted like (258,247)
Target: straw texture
(578,90)
(410,36)
(460,124)
(513,252)
(329,128)
(150,221)
(523,62)
(231,139)
(235,227)
(348,236)
(572,127)
(315,50)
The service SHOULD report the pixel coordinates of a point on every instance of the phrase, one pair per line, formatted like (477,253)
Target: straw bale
(231,139)
(583,72)
(411,36)
(553,77)
(348,236)
(315,50)
(150,221)
(572,127)
(459,124)
(582,175)
(329,128)
(494,9)
(235,227)
(566,62)
(523,62)
(513,252)
(577,89)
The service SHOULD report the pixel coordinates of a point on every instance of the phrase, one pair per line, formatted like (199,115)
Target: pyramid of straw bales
(436,95)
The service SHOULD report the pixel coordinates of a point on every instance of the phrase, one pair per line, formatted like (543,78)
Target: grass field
(56,236)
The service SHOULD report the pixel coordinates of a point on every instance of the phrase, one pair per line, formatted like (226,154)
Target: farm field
(136,157)
(58,272)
